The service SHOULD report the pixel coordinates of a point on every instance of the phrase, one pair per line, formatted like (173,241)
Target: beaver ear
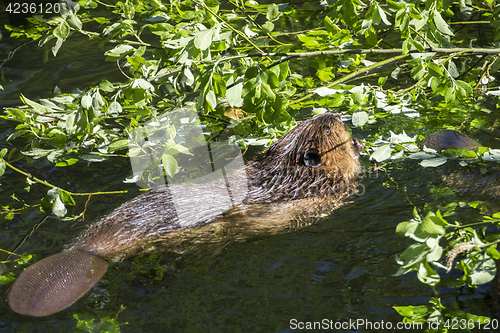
(56,282)
(312,158)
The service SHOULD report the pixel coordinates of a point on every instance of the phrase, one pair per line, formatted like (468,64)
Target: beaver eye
(327,131)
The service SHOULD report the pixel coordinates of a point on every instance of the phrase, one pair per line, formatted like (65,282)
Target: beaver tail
(56,282)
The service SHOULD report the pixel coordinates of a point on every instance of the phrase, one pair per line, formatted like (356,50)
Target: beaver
(450,139)
(478,184)
(465,182)
(302,176)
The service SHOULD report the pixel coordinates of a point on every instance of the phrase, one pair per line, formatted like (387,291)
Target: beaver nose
(358,145)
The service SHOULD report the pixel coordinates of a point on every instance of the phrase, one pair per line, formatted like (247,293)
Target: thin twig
(354,74)
(43,182)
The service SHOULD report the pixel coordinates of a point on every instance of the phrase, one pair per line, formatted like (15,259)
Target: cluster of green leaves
(438,318)
(9,277)
(197,52)
(434,236)
(86,323)
(401,146)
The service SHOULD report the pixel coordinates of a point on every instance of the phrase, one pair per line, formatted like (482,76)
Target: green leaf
(273,12)
(3,152)
(434,162)
(329,25)
(414,253)
(434,70)
(58,208)
(441,25)
(433,224)
(427,275)
(359,118)
(406,46)
(62,31)
(371,36)
(189,76)
(203,39)
(37,152)
(420,23)
(66,162)
(452,69)
(267,27)
(233,95)
(2,167)
(418,46)
(412,311)
(92,157)
(87,101)
(464,90)
(382,80)
(66,198)
(382,15)
(56,48)
(169,164)
(382,153)
(252,72)
(118,52)
(338,99)
(143,84)
(416,216)
(52,203)
(268,92)
(493,253)
(106,86)
(404,227)
(449,95)
(118,144)
(211,99)
(436,251)
(70,123)
(483,270)
(325,75)
(359,98)
(114,108)
(36,106)
(74,21)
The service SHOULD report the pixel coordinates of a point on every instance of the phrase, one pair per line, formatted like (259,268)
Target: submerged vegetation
(396,70)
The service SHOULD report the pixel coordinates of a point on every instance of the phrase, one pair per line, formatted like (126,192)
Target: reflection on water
(338,269)
(77,65)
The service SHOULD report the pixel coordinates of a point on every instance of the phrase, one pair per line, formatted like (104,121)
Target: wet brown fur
(302,176)
(284,178)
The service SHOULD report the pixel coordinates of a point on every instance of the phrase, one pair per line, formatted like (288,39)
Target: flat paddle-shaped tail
(56,282)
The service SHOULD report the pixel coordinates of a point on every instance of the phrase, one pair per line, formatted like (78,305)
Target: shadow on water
(339,269)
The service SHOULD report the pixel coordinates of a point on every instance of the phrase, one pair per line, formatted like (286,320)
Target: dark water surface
(338,270)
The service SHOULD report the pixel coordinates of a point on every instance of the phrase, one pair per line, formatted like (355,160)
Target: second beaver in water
(303,175)
(480,184)
(449,139)
(464,181)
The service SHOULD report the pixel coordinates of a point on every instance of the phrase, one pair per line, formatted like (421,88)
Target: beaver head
(449,139)
(316,157)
